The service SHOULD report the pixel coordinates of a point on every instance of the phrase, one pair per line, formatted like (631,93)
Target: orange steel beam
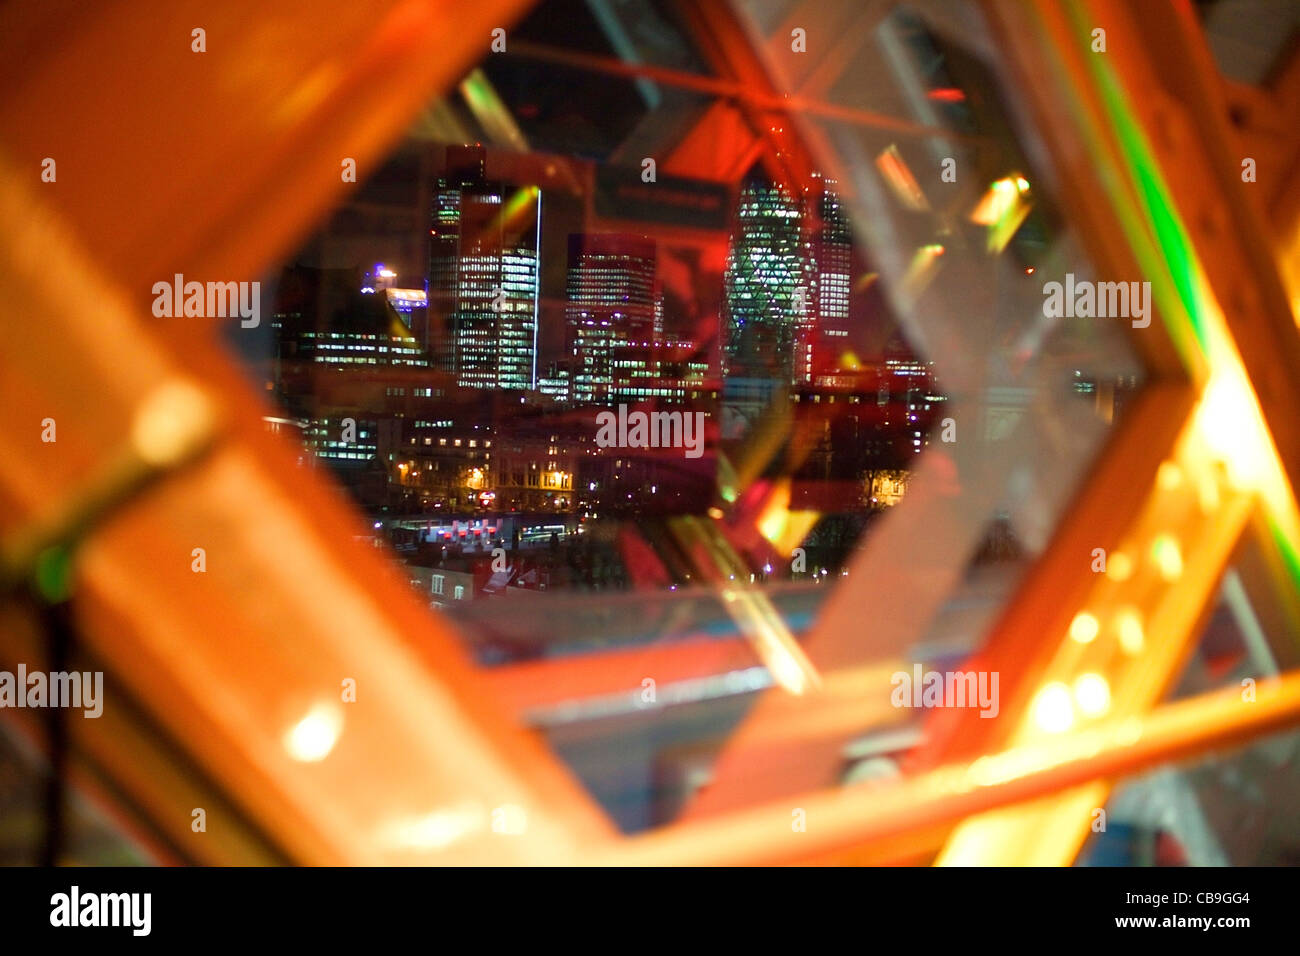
(1191,507)
(1046,604)
(760,97)
(749,769)
(909,812)
(242,665)
(535,685)
(1024,640)
(134,773)
(294,89)
(721,36)
(1194,142)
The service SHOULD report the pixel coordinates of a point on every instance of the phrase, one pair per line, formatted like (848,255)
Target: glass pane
(1250,39)
(629,375)
(1225,810)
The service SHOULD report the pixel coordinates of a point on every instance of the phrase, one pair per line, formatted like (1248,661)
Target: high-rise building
(610,316)
(823,331)
(787,284)
(766,287)
(483,276)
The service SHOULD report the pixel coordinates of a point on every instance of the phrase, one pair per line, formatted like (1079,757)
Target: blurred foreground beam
(1152,120)
(909,811)
(212,164)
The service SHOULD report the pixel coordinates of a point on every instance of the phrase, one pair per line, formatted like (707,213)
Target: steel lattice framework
(213,165)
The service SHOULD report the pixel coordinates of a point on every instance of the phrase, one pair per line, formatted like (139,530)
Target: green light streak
(53,574)
(1286,546)
(1172,239)
(1176,258)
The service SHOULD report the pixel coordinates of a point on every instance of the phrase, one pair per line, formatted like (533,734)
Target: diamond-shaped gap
(1030,398)
(1249,635)
(323,313)
(823,471)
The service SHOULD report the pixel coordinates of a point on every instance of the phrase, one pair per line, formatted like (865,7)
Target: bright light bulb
(1084,627)
(1054,709)
(1119,567)
(1129,625)
(1229,420)
(313,737)
(1167,556)
(1169,476)
(1092,694)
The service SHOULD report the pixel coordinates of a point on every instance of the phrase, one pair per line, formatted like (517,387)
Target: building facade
(483,276)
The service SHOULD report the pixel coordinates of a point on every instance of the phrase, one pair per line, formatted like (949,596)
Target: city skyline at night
(649,433)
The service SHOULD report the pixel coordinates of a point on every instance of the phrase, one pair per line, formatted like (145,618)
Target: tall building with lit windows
(766,290)
(610,316)
(823,329)
(788,283)
(483,276)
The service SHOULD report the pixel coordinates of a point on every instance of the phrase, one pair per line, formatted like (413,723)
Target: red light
(947,94)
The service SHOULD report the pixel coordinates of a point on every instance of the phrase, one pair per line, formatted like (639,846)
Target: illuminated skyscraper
(787,284)
(823,330)
(483,276)
(766,289)
(610,316)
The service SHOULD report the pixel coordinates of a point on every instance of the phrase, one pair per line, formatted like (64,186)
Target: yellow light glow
(1002,209)
(1092,694)
(1084,627)
(922,268)
(1129,625)
(312,738)
(1120,567)
(996,203)
(781,526)
(1169,476)
(434,830)
(1231,424)
(171,423)
(1054,708)
(1167,556)
(776,647)
(771,523)
(1207,493)
(900,179)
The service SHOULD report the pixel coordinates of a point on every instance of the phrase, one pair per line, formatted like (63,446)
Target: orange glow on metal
(759,622)
(1003,207)
(781,526)
(900,179)
(414,775)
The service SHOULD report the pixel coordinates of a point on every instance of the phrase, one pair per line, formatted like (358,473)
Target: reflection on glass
(615,364)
